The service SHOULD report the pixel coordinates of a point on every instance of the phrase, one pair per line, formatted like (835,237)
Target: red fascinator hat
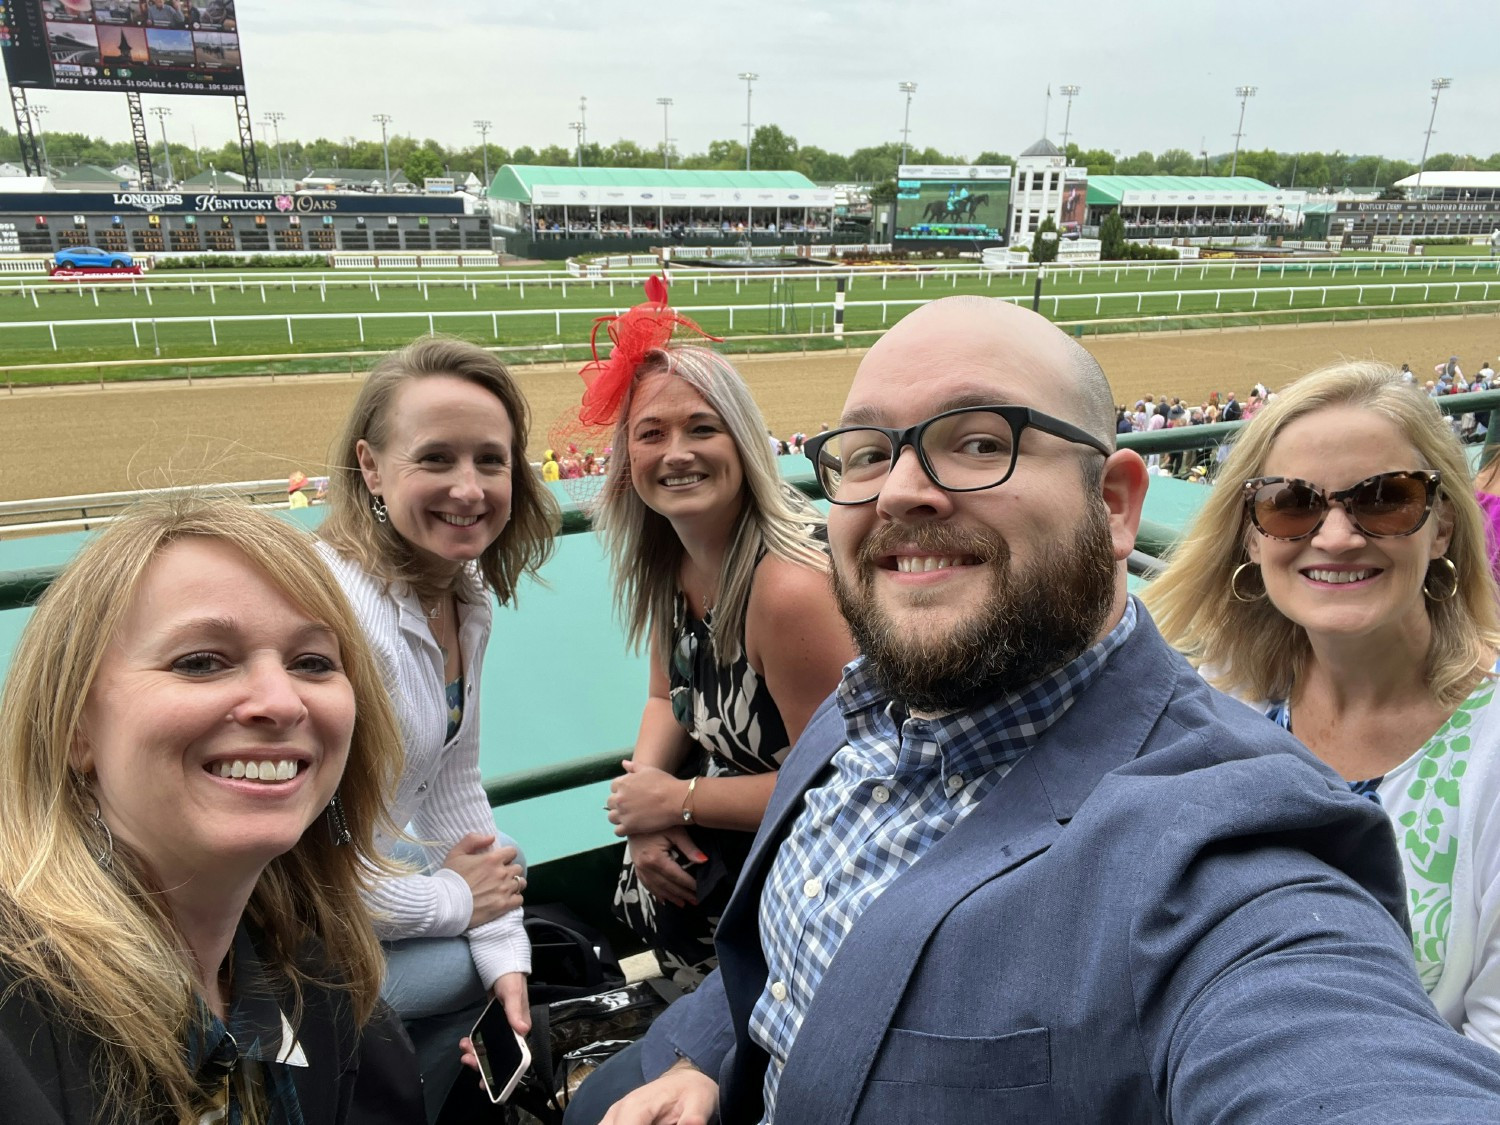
(633,335)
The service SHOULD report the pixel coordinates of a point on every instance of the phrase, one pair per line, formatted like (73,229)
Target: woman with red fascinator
(719,571)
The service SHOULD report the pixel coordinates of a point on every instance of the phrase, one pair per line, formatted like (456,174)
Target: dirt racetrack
(60,442)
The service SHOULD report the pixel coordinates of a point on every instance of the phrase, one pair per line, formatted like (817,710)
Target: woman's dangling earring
(1234,584)
(1452,580)
(102,848)
(338,824)
(377,506)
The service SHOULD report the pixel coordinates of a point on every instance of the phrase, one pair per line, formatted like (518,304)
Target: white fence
(1277,298)
(25,263)
(341,260)
(78,513)
(519,281)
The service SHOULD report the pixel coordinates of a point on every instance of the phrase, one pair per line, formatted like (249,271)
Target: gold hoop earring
(1234,584)
(1452,580)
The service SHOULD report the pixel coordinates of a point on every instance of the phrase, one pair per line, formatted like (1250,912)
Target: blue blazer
(1167,911)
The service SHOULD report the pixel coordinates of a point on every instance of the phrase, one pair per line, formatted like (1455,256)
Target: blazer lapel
(854,1007)
(822,738)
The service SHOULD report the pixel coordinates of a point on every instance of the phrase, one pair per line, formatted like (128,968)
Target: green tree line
(770,148)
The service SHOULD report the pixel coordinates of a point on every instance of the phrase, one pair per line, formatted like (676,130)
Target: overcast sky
(1154,74)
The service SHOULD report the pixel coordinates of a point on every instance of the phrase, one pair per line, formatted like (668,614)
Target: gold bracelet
(687,802)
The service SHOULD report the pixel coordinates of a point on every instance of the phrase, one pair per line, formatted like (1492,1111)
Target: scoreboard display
(140,46)
(952,203)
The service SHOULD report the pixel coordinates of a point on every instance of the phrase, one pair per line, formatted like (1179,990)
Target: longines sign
(208,203)
(236,203)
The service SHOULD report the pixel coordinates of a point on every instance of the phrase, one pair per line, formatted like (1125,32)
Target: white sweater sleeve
(439,795)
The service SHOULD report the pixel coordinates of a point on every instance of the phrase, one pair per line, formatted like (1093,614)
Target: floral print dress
(728,712)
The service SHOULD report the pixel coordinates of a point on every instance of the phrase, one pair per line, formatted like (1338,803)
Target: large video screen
(968,204)
(147,46)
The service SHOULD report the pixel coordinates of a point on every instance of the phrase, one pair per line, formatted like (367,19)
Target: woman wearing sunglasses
(1338,576)
(717,570)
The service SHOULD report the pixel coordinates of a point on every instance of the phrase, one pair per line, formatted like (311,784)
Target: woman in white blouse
(433,511)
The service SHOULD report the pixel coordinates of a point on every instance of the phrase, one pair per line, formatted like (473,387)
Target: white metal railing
(53,513)
(1259,298)
(212,282)
(25,263)
(410,259)
(320,283)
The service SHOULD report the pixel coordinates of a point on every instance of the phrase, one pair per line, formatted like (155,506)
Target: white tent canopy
(1454,181)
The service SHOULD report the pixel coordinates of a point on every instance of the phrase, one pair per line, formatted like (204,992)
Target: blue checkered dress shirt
(896,789)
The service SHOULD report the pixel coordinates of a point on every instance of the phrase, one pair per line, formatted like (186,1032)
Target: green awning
(1110,191)
(520,183)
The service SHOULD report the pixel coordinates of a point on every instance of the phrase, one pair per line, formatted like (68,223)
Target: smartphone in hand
(503,1055)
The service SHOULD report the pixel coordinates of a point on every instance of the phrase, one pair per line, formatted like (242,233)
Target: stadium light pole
(385,119)
(274,118)
(907,88)
(1438,86)
(666,132)
(1244,93)
(1069,92)
(748,77)
(484,128)
(583,127)
(161,113)
(37,112)
(577,127)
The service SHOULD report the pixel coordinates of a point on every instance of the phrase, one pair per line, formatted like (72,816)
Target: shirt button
(778,990)
(422,788)
(955,783)
(880,794)
(812,888)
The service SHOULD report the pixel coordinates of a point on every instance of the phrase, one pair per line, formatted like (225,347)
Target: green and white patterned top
(1444,804)
(1424,797)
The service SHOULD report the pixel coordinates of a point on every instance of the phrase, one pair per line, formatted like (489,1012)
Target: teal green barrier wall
(558,682)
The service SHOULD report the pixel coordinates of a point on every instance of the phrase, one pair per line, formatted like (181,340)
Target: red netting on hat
(581,432)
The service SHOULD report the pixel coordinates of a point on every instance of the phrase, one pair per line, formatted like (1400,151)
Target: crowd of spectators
(585,222)
(573,464)
(1159,412)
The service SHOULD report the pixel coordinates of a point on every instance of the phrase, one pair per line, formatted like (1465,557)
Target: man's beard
(1033,621)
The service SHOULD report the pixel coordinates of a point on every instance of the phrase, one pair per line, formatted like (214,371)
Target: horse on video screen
(937,212)
(967,207)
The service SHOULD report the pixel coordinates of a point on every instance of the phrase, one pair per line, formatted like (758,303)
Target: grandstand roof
(1043,147)
(217,178)
(79,175)
(355,175)
(518,182)
(1110,190)
(1453,180)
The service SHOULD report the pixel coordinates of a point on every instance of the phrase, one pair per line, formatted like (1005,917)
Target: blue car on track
(85,257)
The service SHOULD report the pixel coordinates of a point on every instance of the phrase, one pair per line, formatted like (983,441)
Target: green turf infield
(203,315)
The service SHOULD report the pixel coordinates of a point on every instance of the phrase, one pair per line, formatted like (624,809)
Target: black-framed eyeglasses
(964,450)
(1384,506)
